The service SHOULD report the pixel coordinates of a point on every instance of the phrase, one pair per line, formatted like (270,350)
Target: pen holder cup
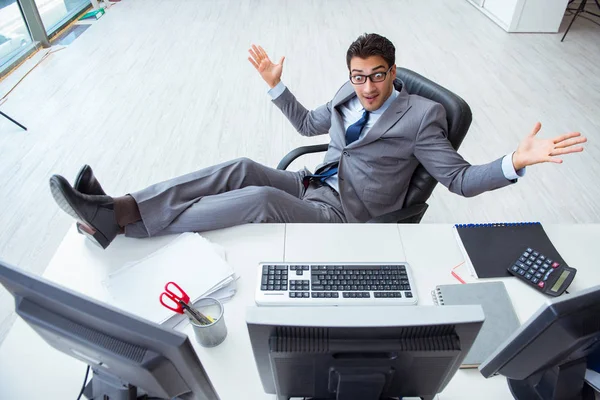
(213,334)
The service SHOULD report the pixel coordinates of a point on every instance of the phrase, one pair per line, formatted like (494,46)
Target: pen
(196,315)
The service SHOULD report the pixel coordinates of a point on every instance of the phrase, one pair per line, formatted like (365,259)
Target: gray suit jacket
(375,171)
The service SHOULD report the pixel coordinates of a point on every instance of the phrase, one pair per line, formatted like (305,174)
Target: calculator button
(515,268)
(528,276)
(555,265)
(528,262)
(532,258)
(535,280)
(520,264)
(531,271)
(542,258)
(536,254)
(541,284)
(530,250)
(535,266)
(521,272)
(538,262)
(538,275)
(549,261)
(542,270)
(522,259)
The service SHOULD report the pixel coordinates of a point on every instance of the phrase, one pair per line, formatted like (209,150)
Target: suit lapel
(345,93)
(388,119)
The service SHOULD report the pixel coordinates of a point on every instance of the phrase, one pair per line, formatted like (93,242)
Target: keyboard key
(305,295)
(298,272)
(318,287)
(282,267)
(335,295)
(263,287)
(408,294)
(292,295)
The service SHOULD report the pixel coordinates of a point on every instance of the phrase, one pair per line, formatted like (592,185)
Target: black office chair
(422,184)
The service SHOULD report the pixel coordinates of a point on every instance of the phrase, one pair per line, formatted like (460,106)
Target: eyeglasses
(376,77)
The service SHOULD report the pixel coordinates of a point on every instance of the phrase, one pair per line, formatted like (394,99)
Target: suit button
(346,153)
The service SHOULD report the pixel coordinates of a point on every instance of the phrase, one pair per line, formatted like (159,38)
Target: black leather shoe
(87,183)
(96,214)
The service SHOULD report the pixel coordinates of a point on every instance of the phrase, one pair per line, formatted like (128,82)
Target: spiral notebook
(500,317)
(489,249)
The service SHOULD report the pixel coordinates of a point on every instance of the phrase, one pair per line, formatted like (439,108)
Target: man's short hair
(372,44)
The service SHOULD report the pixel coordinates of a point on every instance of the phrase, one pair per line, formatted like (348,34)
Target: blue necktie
(352,134)
(354,130)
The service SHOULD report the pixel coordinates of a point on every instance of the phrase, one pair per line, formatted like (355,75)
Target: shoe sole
(82,226)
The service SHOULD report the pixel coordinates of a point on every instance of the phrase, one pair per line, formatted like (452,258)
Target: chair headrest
(458,112)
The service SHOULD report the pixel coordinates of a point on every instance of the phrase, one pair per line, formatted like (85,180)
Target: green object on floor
(93,14)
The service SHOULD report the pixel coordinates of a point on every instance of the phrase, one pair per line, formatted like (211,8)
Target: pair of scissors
(176,299)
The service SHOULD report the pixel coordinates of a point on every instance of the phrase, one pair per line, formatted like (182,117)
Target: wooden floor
(159,88)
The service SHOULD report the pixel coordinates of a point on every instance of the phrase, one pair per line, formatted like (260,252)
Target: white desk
(430,249)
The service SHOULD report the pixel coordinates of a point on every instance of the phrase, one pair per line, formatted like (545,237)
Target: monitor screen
(365,353)
(129,356)
(547,357)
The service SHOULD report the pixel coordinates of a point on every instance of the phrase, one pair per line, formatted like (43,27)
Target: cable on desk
(87,371)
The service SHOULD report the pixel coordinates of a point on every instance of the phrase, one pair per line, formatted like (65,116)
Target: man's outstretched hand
(269,71)
(533,150)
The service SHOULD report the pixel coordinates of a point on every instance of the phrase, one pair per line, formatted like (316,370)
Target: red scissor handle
(172,296)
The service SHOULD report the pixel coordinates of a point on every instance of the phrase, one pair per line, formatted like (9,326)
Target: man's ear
(393,71)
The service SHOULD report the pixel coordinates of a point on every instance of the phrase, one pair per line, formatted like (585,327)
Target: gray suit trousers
(232,193)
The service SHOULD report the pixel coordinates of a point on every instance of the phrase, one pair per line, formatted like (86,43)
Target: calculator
(546,275)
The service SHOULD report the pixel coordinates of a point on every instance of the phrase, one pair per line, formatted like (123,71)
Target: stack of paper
(190,260)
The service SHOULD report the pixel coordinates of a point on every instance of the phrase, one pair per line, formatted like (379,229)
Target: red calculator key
(555,265)
(541,285)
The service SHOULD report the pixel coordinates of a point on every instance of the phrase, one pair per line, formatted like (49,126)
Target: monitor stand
(361,386)
(103,385)
(565,381)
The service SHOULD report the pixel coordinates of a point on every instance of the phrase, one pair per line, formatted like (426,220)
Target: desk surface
(430,249)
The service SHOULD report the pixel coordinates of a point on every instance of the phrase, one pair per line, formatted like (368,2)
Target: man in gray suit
(378,136)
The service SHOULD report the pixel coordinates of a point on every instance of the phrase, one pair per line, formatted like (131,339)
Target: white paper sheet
(190,260)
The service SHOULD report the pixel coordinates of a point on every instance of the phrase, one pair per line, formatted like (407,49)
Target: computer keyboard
(331,284)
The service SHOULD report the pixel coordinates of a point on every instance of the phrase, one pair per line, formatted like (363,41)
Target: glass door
(14,35)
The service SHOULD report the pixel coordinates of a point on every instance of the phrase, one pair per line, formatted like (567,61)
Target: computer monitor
(546,357)
(129,356)
(366,353)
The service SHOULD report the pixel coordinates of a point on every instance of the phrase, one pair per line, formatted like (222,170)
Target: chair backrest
(458,115)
